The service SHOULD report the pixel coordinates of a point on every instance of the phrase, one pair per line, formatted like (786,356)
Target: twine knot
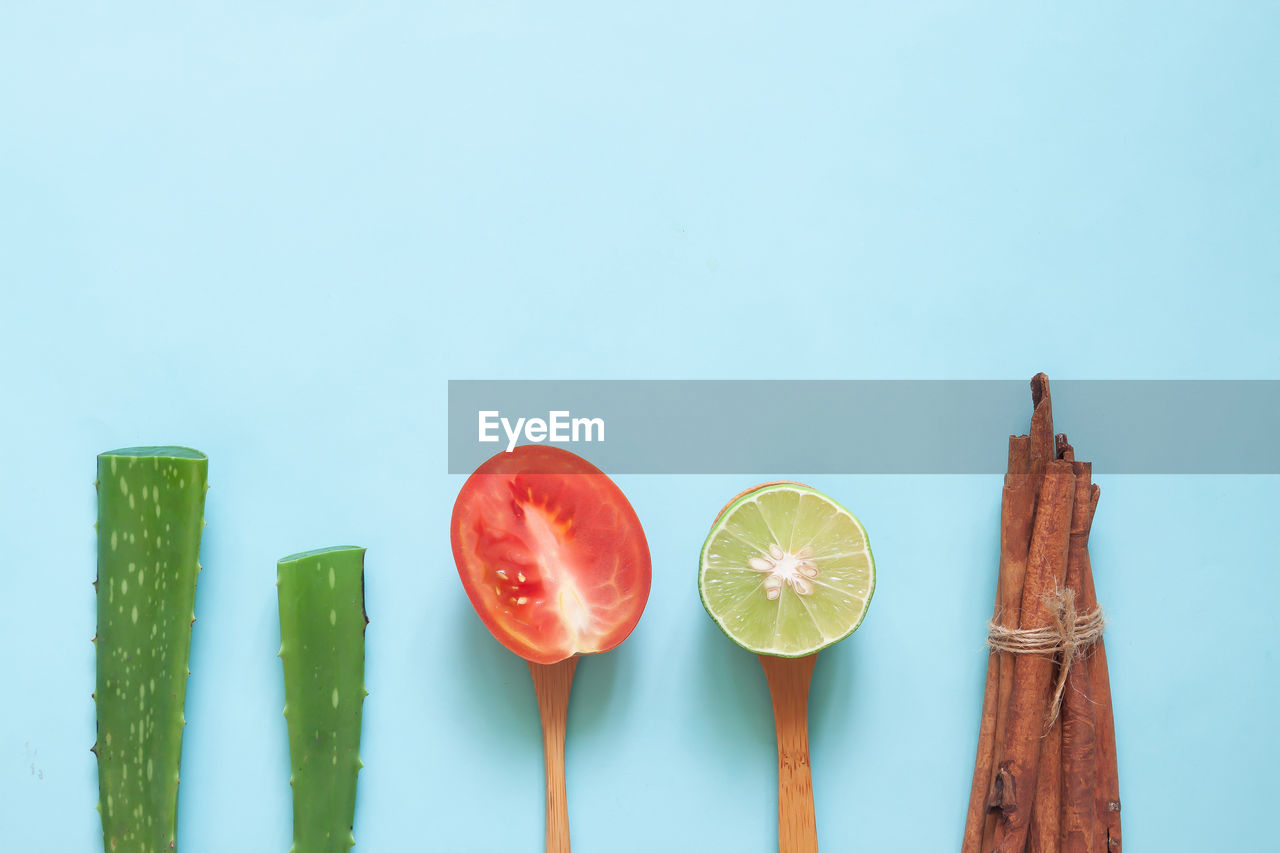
(1070,635)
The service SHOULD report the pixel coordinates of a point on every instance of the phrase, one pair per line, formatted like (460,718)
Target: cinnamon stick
(1039,449)
(1015,539)
(1042,835)
(1094,684)
(1016,509)
(1079,806)
(972,839)
(1043,449)
(1015,780)
(1107,837)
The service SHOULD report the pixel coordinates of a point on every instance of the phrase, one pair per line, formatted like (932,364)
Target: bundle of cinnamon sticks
(1045,777)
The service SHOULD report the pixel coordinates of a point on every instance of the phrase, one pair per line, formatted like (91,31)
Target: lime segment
(786,571)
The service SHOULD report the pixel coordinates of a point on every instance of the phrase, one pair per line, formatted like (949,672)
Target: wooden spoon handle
(552,683)
(789,687)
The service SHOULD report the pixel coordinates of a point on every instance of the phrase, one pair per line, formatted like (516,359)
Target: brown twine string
(1071,634)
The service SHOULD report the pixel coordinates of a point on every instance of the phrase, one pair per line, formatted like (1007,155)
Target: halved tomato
(550,553)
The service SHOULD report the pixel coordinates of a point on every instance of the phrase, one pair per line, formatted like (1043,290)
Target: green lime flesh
(823,581)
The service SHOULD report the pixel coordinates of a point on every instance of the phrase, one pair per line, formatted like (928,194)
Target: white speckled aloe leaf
(322,622)
(150,518)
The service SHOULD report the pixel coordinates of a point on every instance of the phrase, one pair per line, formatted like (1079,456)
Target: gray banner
(792,428)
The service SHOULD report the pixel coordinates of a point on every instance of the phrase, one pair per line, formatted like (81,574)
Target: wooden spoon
(552,683)
(789,688)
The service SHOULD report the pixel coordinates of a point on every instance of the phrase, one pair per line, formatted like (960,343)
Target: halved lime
(786,570)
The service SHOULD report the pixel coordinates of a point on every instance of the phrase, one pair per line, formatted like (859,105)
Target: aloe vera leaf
(322,623)
(150,518)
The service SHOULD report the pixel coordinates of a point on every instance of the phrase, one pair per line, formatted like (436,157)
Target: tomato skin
(551,554)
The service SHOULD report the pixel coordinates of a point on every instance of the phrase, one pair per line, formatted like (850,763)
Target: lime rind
(841,591)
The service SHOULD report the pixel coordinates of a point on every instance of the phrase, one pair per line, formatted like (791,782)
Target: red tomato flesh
(550,553)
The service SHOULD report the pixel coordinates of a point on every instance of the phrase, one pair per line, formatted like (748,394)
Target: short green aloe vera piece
(322,622)
(150,516)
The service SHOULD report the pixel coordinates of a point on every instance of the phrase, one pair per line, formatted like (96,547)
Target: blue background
(274,231)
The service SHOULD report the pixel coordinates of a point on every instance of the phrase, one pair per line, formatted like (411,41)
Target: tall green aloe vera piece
(322,621)
(150,516)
